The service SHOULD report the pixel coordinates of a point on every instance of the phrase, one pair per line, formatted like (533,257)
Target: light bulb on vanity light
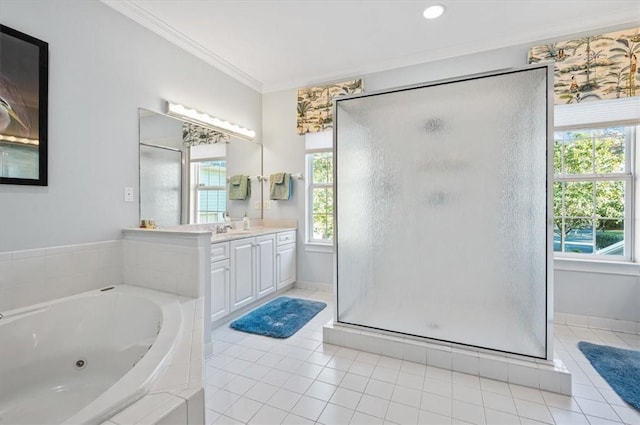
(210,121)
(432,12)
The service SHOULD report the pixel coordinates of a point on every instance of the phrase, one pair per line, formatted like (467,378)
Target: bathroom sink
(232,233)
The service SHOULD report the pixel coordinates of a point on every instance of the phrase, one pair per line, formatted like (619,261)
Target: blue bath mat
(619,367)
(279,318)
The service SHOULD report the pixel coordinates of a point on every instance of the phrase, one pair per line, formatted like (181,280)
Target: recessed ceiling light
(433,12)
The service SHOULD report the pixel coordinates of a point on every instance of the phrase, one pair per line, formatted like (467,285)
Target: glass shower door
(160,185)
(442,211)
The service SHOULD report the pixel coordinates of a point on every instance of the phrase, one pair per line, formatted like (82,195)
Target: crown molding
(614,21)
(597,25)
(159,27)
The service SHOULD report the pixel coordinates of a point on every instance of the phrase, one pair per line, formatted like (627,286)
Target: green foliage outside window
(588,195)
(322,196)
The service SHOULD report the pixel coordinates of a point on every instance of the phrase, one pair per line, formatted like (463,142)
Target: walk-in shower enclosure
(443,211)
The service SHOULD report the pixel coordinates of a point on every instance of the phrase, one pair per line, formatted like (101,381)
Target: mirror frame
(43,94)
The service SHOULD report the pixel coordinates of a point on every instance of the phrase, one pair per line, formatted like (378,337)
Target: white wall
(283,150)
(612,296)
(102,67)
(603,295)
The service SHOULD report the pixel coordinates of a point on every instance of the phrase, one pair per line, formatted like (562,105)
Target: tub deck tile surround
(38,275)
(177,395)
(352,386)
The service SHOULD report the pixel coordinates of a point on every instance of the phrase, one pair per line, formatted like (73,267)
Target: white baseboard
(597,323)
(314,286)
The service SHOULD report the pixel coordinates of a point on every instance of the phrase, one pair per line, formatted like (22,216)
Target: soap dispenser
(245,222)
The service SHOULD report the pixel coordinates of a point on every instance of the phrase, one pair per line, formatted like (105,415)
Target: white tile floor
(259,380)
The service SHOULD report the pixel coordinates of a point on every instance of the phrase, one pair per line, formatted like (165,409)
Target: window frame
(197,187)
(629,177)
(319,245)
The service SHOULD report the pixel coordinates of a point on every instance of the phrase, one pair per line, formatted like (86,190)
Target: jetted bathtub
(81,359)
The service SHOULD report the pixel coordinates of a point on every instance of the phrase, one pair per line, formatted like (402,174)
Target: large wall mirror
(185,170)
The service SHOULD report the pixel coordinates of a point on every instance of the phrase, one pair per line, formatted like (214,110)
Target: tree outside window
(592,177)
(321,196)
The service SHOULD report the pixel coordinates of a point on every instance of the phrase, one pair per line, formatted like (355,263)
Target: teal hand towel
(280,186)
(239,187)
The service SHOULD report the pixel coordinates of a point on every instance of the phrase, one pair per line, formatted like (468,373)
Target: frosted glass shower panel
(442,211)
(160,185)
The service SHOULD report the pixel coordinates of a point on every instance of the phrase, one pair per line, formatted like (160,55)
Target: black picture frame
(24,89)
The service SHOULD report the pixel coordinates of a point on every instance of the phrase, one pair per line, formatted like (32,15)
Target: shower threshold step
(541,374)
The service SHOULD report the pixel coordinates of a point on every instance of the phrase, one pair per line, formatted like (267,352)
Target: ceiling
(273,45)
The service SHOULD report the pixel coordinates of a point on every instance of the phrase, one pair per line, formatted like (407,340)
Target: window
(593,180)
(210,177)
(320,197)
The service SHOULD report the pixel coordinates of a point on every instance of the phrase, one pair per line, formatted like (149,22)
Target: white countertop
(251,232)
(202,229)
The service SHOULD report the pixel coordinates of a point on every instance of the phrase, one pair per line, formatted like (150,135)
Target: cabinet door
(265,264)
(286,265)
(219,289)
(241,277)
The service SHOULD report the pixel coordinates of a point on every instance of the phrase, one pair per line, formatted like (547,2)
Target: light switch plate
(128,194)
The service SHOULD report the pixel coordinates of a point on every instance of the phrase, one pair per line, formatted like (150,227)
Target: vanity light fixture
(432,12)
(192,115)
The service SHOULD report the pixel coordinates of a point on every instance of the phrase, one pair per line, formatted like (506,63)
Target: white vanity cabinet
(252,269)
(247,269)
(242,259)
(265,264)
(219,280)
(285,259)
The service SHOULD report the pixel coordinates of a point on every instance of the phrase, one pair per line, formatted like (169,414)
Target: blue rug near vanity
(619,367)
(279,318)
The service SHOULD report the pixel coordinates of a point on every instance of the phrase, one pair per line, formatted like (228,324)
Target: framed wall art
(24,76)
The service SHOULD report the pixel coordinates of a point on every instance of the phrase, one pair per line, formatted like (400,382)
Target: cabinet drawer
(286,237)
(219,251)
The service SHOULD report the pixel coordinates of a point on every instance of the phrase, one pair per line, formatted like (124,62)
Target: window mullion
(593,177)
(210,187)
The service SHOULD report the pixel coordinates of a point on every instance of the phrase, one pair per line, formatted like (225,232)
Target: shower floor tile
(301,380)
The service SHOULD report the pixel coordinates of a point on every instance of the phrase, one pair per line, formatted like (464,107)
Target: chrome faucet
(223,228)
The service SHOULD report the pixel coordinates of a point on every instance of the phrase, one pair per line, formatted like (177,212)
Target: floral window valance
(597,67)
(193,134)
(315,104)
